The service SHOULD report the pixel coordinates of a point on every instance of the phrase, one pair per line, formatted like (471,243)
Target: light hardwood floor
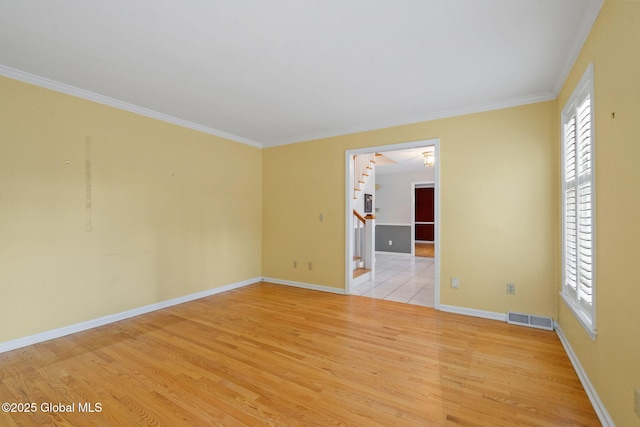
(424,250)
(274,355)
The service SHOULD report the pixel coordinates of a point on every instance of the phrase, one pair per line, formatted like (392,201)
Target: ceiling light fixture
(429,158)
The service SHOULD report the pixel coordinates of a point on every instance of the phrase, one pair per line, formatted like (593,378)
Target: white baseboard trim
(408,254)
(305,285)
(598,406)
(472,312)
(94,323)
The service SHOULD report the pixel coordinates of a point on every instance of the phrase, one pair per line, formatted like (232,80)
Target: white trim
(586,86)
(406,254)
(593,10)
(579,317)
(473,312)
(393,224)
(12,73)
(348,223)
(435,142)
(598,406)
(111,318)
(304,285)
(437,183)
(453,112)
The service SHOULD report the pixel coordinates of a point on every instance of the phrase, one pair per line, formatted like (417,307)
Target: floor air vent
(540,322)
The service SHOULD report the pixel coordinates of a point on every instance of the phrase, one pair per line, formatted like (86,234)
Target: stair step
(360,271)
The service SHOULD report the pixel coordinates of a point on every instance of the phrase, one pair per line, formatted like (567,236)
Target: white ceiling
(403,161)
(282,71)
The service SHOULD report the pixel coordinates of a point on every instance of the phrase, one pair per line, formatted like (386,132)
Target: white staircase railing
(363,227)
(364,240)
(359,243)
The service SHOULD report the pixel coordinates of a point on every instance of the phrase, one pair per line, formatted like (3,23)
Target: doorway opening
(396,271)
(423,219)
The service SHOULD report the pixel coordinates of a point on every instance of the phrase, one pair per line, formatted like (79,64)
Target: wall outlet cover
(636,400)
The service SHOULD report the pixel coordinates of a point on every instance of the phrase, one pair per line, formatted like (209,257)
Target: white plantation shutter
(578,203)
(585,208)
(570,210)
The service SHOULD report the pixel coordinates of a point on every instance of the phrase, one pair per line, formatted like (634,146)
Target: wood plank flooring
(274,355)
(424,250)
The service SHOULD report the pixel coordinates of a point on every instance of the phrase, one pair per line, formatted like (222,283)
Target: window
(578,284)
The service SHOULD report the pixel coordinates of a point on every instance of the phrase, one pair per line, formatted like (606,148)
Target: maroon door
(424,213)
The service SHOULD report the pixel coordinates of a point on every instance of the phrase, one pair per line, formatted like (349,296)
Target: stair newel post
(369,245)
(359,234)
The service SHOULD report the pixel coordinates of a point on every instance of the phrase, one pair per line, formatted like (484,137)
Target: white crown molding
(12,73)
(598,406)
(443,114)
(94,323)
(581,37)
(305,285)
(105,100)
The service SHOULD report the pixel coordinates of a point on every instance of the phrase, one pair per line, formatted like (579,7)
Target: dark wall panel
(400,236)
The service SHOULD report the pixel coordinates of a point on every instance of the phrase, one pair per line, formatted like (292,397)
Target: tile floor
(401,278)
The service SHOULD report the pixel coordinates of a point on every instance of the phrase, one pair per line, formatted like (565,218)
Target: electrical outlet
(390,243)
(310,266)
(511,288)
(295,264)
(636,400)
(455,282)
(321,217)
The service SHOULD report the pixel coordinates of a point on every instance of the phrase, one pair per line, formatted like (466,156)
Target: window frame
(571,295)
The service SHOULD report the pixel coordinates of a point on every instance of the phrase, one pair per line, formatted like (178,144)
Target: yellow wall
(612,361)
(173,211)
(498,173)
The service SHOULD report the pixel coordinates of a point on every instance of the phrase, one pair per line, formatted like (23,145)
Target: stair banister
(364,227)
(359,239)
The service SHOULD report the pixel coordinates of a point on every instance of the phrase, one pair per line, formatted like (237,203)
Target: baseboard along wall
(94,323)
(305,285)
(597,403)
